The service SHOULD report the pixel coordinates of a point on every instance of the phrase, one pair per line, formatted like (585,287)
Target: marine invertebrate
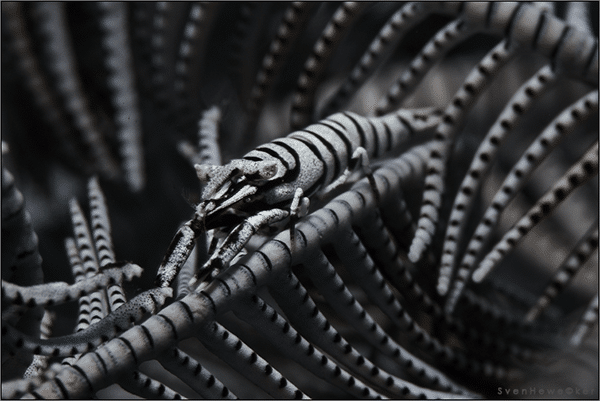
(374,292)
(284,174)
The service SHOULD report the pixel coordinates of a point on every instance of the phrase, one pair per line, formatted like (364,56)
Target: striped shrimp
(276,180)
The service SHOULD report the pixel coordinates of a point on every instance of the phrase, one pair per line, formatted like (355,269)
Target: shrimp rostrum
(276,180)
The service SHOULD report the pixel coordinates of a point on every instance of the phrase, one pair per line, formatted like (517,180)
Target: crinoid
(398,200)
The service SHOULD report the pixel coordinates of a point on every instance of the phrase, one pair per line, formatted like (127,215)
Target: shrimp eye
(267,170)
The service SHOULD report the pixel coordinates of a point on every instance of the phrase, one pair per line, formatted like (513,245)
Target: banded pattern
(168,327)
(302,108)
(85,340)
(306,284)
(548,36)
(532,157)
(139,383)
(21,387)
(302,312)
(197,377)
(242,62)
(507,120)
(329,147)
(58,48)
(21,264)
(579,173)
(102,239)
(387,302)
(121,81)
(589,317)
(79,275)
(380,243)
(388,37)
(580,254)
(191,54)
(88,135)
(59,292)
(84,301)
(38,83)
(185,306)
(40,362)
(346,305)
(56,293)
(443,41)
(187,272)
(232,350)
(300,165)
(271,324)
(89,259)
(453,117)
(158,57)
(207,151)
(24,261)
(293,21)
